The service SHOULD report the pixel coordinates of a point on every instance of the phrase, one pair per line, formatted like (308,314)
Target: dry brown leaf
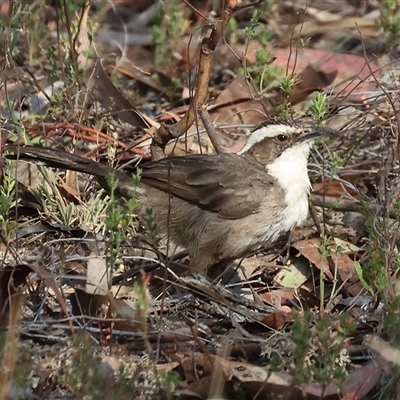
(359,383)
(311,80)
(235,104)
(130,69)
(342,261)
(28,174)
(260,381)
(322,15)
(334,188)
(198,389)
(168,367)
(353,72)
(51,284)
(10,279)
(83,45)
(98,274)
(88,304)
(71,183)
(276,320)
(278,296)
(100,85)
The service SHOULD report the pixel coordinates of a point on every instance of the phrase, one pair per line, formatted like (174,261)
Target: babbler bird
(219,207)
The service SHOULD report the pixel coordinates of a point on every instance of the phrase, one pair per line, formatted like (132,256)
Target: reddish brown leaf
(10,279)
(343,262)
(353,73)
(359,383)
(276,320)
(311,80)
(333,188)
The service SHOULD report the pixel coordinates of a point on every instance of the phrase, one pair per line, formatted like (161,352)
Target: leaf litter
(147,328)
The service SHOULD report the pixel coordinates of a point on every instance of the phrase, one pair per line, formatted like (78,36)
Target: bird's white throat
(290,170)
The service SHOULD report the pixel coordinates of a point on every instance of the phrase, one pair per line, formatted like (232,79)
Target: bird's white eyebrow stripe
(264,132)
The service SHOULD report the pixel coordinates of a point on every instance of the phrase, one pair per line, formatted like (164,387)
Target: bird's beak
(316,132)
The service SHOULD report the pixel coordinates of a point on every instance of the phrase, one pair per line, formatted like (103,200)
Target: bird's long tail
(65,160)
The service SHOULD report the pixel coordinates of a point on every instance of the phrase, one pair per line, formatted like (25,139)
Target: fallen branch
(349,205)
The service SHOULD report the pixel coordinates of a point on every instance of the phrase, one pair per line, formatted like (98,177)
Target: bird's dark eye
(282,138)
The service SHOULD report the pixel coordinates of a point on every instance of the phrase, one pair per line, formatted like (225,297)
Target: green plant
(84,376)
(119,216)
(90,377)
(262,73)
(379,271)
(319,352)
(168,28)
(28,40)
(287,86)
(375,275)
(8,202)
(389,20)
(15,364)
(169,381)
(24,30)
(54,204)
(336,160)
(151,226)
(319,107)
(391,323)
(301,336)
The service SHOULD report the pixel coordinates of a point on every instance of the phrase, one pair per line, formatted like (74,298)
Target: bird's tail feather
(62,159)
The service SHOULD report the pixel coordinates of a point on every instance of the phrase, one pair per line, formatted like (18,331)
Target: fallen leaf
(234,104)
(294,275)
(334,188)
(311,80)
(309,248)
(278,297)
(10,279)
(100,85)
(98,273)
(362,380)
(276,320)
(353,75)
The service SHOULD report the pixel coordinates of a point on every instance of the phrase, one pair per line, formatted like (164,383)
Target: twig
(212,133)
(348,205)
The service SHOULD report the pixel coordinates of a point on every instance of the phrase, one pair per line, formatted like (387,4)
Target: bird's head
(270,141)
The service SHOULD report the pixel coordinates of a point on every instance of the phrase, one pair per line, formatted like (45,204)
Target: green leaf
(360,274)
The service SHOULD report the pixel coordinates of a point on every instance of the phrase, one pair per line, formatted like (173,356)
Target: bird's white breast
(290,170)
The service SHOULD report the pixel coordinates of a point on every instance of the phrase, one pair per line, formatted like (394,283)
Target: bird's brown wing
(227,184)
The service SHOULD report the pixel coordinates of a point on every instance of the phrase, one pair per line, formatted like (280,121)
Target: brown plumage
(219,207)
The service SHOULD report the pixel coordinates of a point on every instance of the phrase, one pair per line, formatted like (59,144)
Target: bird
(220,207)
